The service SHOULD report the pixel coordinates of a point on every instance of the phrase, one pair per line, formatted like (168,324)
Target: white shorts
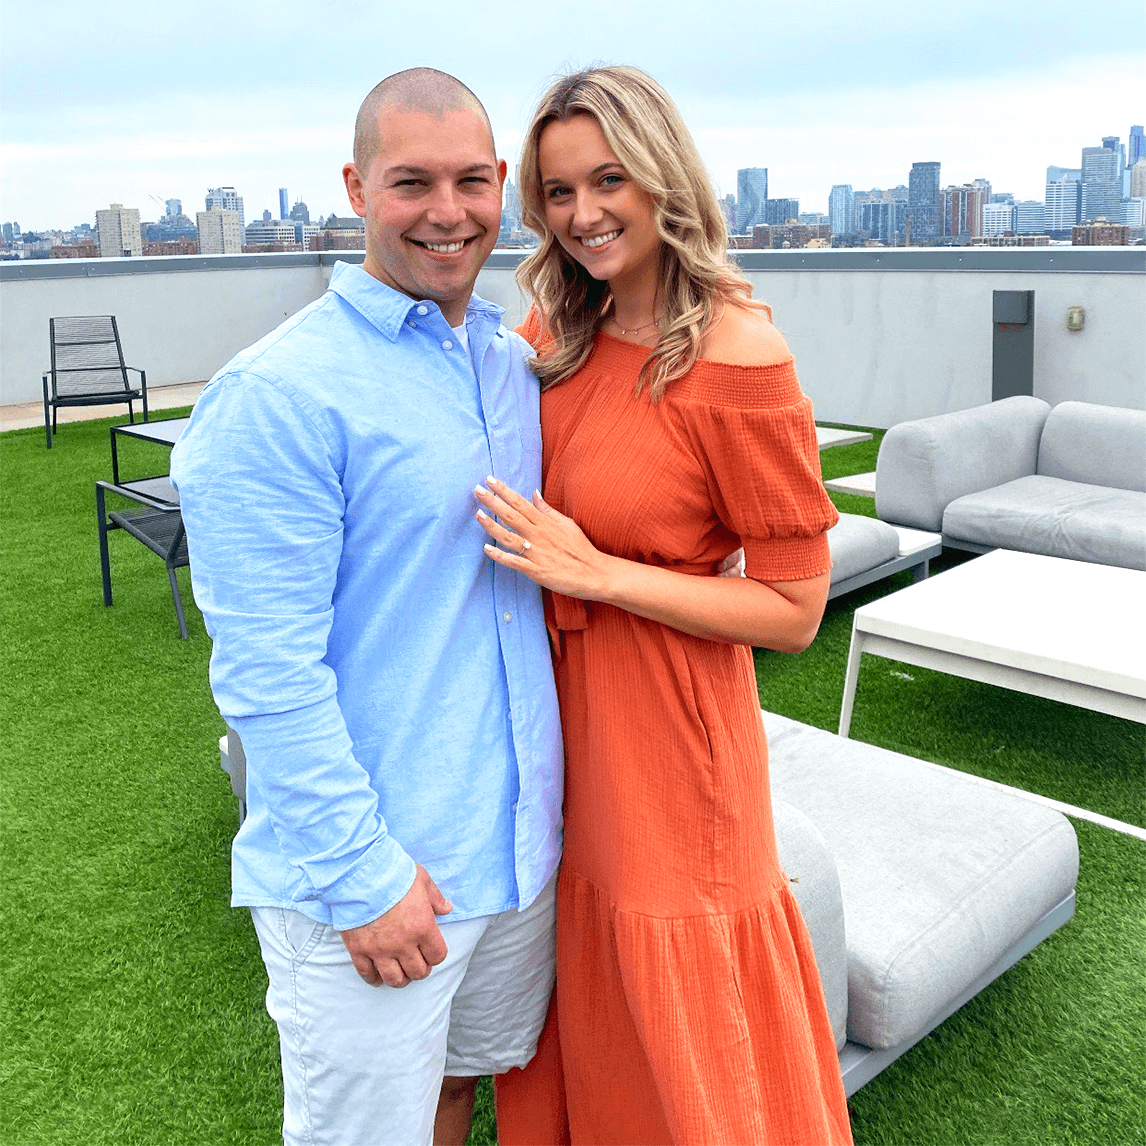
(364,1065)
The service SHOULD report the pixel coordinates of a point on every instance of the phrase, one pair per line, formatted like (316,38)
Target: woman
(688,1006)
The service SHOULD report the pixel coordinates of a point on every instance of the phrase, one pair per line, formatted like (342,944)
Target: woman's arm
(551,549)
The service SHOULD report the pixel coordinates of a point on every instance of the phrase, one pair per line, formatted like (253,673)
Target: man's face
(432,204)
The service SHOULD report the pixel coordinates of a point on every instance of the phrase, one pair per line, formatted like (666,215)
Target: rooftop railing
(880,335)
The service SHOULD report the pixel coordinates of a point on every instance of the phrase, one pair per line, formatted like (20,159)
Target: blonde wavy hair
(649,137)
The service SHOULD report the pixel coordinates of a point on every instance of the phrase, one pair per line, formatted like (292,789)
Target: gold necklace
(635,329)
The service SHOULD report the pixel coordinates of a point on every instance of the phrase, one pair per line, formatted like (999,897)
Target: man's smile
(450,247)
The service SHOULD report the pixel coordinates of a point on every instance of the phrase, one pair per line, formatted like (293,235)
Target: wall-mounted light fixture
(1075,317)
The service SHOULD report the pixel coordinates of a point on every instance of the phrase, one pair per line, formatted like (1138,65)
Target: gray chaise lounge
(918,885)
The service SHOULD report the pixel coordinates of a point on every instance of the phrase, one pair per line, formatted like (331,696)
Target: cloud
(132,99)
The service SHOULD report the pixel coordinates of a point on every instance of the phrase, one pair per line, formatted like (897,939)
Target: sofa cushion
(940,875)
(1098,445)
(807,859)
(1060,518)
(860,543)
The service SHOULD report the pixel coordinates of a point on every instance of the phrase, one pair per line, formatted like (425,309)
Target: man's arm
(259,480)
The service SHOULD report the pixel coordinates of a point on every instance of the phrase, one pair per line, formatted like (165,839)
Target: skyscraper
(841,209)
(751,195)
(284,209)
(220,231)
(1138,180)
(882,219)
(728,207)
(119,233)
(174,208)
(963,209)
(1111,142)
(1136,148)
(1101,182)
(510,213)
(1063,208)
(778,211)
(1134,212)
(1030,217)
(226,199)
(924,202)
(999,218)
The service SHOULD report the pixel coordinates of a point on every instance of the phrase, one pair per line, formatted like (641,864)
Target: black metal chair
(157,524)
(88,368)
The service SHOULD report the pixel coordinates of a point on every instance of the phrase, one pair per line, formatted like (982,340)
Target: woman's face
(601,217)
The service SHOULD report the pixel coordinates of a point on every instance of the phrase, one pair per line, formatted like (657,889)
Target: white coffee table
(1066,630)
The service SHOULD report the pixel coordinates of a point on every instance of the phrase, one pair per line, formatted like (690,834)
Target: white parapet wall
(879,335)
(882,336)
(179,318)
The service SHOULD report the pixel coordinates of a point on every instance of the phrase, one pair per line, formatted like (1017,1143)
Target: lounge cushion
(806,858)
(1059,518)
(860,543)
(940,876)
(1097,445)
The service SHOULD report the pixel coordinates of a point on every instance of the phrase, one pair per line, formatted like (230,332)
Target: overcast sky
(132,102)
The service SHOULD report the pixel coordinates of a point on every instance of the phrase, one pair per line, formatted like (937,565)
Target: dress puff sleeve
(753,431)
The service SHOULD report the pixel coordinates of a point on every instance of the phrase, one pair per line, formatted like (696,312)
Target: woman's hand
(549,548)
(536,540)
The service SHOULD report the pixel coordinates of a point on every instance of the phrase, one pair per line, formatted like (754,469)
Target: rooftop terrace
(134,994)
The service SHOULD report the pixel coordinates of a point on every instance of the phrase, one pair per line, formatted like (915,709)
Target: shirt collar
(387,308)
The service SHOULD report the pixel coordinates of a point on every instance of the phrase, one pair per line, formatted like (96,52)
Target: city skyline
(838,98)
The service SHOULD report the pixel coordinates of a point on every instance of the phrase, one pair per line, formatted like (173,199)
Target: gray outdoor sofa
(919,885)
(1066,481)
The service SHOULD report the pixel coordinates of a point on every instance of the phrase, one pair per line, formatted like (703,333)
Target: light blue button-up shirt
(392,686)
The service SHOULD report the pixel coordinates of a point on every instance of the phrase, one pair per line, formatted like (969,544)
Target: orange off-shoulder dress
(688,1006)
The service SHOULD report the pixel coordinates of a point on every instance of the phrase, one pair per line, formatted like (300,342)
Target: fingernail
(482,513)
(480,489)
(488,548)
(537,493)
(491,480)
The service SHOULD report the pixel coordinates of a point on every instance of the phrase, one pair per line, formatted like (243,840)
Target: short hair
(646,132)
(417,89)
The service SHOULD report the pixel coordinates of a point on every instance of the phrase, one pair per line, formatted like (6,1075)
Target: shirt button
(507,617)
(447,345)
(411,323)
(423,310)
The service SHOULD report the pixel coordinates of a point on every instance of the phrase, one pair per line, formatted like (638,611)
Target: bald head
(416,89)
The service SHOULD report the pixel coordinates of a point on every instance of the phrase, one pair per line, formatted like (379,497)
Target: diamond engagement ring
(525,546)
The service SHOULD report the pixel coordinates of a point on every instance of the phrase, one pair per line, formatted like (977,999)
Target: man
(391,685)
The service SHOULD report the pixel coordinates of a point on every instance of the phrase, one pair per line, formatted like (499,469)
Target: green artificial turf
(132,994)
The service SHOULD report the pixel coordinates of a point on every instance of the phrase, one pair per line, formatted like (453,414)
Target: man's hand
(732,565)
(404,943)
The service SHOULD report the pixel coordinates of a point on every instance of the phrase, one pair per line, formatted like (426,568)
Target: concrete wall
(876,347)
(879,335)
(178,321)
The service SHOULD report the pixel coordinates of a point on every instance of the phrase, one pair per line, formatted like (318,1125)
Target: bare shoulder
(744,336)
